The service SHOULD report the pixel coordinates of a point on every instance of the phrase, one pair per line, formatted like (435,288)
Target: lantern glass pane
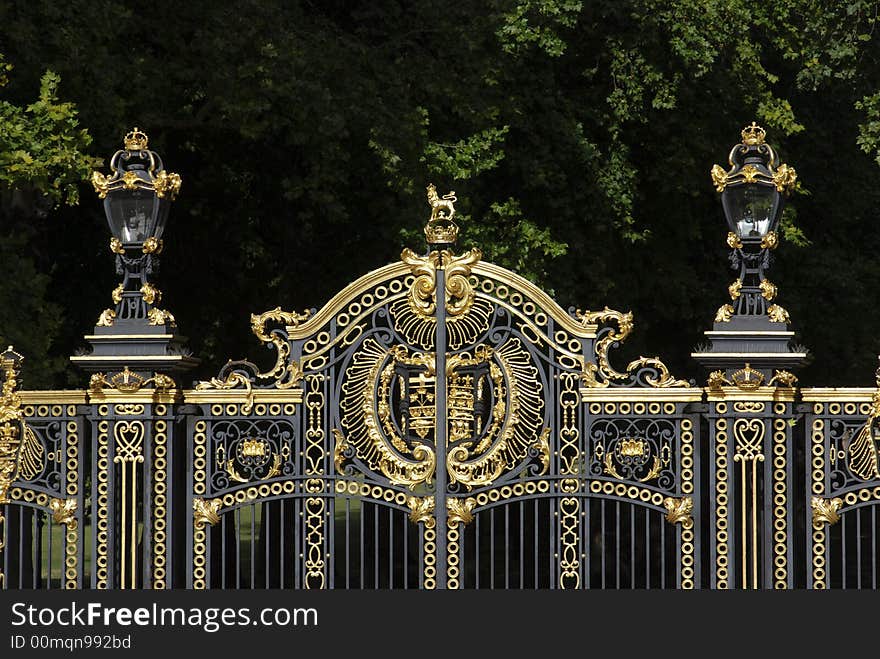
(132,215)
(751,209)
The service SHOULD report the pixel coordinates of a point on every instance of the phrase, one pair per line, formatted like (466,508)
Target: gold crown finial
(754,134)
(441,228)
(136,140)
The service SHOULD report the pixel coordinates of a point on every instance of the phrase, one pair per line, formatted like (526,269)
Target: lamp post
(135,334)
(752,330)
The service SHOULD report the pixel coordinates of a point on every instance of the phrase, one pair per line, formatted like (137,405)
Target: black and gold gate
(442,423)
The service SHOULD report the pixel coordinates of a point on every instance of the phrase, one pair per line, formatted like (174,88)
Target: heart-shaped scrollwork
(129,437)
(749,435)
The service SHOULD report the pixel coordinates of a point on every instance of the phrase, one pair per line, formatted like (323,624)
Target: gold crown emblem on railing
(754,134)
(441,228)
(136,140)
(632,448)
(747,378)
(253,448)
(126,381)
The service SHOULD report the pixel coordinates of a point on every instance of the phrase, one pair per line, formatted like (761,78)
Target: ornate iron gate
(430,427)
(440,423)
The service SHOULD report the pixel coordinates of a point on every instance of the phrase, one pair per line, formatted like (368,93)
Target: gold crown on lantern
(136,140)
(753,134)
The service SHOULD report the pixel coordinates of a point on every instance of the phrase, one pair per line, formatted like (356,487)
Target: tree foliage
(578,137)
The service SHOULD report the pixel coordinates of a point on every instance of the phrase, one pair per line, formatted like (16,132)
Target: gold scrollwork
(11,422)
(458,294)
(749,435)
(205,512)
(160,317)
(768,289)
(153,245)
(116,295)
(724,313)
(777,314)
(116,246)
(460,510)
(770,240)
(716,380)
(719,177)
(273,471)
(152,295)
(733,241)
(339,448)
(633,448)
(287,373)
(106,319)
(749,406)
(735,289)
(783,379)
(604,369)
(421,509)
(678,511)
(542,446)
(825,511)
(232,381)
(64,512)
(414,314)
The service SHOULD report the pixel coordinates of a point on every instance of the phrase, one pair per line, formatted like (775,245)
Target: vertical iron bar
(647,548)
(755,522)
(266,533)
(222,551)
(282,545)
(604,544)
(617,544)
(363,548)
(238,548)
(859,548)
(391,548)
(20,546)
(873,510)
(522,545)
(347,542)
(632,546)
(843,551)
(537,552)
(35,548)
(406,561)
(253,563)
(4,513)
(440,424)
(477,553)
(662,556)
(49,552)
(133,539)
(506,546)
(297,528)
(492,548)
(123,528)
(376,547)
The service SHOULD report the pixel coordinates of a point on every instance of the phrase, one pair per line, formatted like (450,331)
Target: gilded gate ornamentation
(440,423)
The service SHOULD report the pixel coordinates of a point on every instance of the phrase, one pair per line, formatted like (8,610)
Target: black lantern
(753,190)
(750,342)
(138,194)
